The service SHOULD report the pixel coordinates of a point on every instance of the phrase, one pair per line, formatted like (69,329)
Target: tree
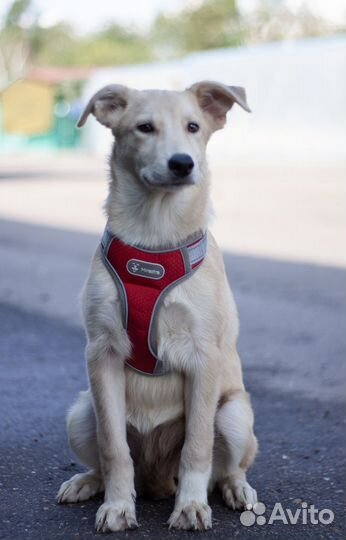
(112,46)
(15,13)
(212,24)
(24,43)
(15,46)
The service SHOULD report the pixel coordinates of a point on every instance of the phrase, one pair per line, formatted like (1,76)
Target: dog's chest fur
(153,401)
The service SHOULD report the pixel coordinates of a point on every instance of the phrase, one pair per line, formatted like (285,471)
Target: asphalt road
(292,345)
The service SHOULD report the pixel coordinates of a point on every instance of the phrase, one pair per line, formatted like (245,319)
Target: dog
(183,425)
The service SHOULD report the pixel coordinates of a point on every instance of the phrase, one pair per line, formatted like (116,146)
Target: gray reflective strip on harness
(106,240)
(197,252)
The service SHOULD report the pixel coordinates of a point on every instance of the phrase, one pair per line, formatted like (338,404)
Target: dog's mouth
(169,183)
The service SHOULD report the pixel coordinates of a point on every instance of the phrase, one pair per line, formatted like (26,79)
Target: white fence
(297,91)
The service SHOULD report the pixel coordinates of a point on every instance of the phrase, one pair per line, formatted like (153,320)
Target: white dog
(157,302)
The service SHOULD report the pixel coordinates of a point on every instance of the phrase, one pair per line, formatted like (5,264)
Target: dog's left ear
(216,99)
(107,105)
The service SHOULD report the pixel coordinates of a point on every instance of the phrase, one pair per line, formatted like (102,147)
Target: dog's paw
(193,516)
(238,494)
(79,488)
(116,516)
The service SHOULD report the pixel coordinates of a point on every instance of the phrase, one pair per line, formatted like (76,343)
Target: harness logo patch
(145,269)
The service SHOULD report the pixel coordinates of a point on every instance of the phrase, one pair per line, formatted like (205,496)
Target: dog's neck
(155,219)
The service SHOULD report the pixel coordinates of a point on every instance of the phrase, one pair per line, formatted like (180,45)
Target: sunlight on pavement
(292,212)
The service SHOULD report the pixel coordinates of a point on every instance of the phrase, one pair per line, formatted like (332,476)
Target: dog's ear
(216,99)
(107,105)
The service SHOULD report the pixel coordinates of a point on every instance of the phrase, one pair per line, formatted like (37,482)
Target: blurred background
(278,188)
(290,55)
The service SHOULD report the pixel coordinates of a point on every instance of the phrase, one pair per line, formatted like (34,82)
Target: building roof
(55,75)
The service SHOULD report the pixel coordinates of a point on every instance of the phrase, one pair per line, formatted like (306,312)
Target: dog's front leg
(107,380)
(191,509)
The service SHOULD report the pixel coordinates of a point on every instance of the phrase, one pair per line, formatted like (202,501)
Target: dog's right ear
(107,105)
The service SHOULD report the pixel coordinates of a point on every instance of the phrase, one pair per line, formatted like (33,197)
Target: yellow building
(27,108)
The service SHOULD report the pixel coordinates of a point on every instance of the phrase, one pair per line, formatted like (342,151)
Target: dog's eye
(146,128)
(192,127)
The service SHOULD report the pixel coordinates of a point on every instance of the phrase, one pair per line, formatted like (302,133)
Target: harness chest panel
(142,278)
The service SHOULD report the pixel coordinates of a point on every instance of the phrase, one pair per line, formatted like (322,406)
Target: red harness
(142,278)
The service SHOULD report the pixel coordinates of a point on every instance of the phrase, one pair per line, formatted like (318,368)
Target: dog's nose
(181,165)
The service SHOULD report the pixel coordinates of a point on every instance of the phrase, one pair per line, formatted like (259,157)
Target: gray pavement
(292,344)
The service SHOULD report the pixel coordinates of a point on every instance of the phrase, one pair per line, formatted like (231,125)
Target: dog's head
(161,135)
